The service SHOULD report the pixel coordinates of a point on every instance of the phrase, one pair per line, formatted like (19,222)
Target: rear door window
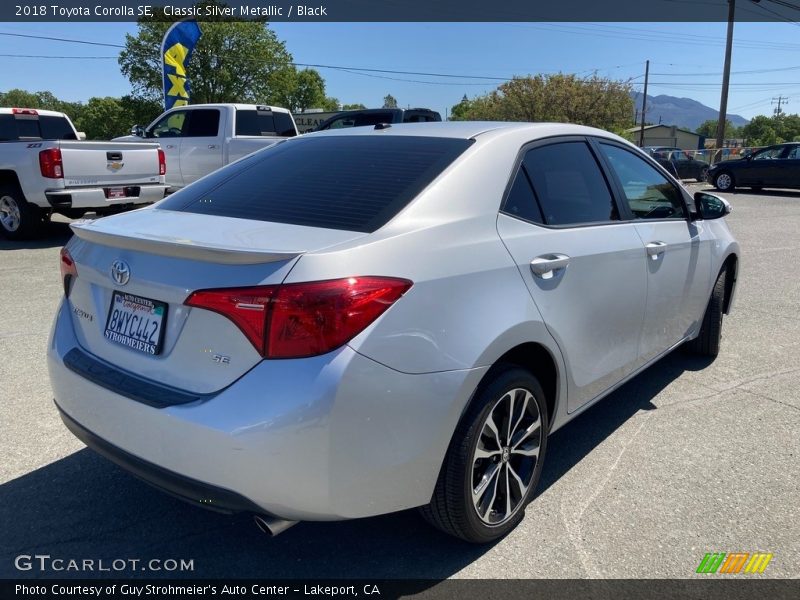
(569,185)
(266,123)
(355,183)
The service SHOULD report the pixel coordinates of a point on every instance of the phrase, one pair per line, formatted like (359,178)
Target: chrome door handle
(169,146)
(212,146)
(655,249)
(546,265)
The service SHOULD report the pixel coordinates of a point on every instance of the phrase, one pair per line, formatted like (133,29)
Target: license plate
(115,192)
(136,322)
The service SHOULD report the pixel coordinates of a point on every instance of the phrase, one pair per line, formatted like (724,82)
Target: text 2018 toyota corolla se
(363,321)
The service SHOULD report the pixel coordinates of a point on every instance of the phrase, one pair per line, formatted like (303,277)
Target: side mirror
(710,206)
(138,131)
(81,135)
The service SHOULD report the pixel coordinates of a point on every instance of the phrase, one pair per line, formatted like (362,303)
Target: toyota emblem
(120,272)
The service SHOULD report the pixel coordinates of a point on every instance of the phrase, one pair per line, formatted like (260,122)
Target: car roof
(470,129)
(39,111)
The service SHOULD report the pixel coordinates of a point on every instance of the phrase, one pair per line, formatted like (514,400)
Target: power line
(57,39)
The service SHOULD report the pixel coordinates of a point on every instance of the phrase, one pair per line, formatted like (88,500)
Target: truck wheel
(494,461)
(19,220)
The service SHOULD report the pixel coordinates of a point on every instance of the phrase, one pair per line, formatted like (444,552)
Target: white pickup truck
(201,138)
(46,169)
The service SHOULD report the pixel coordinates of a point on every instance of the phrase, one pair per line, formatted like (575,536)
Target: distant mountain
(683,112)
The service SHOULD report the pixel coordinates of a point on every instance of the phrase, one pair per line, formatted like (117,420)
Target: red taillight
(162,162)
(50,163)
(246,307)
(68,270)
(303,319)
(23,111)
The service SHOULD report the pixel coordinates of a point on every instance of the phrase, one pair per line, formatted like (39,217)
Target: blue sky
(686,58)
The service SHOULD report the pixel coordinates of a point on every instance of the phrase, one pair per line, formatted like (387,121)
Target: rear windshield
(356,183)
(29,127)
(256,122)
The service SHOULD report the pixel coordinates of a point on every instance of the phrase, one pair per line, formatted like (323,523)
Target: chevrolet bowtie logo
(115,166)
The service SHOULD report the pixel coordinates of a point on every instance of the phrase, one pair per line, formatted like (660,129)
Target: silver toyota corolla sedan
(363,321)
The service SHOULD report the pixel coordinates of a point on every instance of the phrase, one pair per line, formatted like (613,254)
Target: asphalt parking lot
(687,458)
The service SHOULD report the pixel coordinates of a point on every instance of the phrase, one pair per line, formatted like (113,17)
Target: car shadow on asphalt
(54,235)
(82,506)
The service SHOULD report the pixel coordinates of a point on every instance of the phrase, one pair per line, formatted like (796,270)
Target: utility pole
(726,76)
(644,102)
(780,100)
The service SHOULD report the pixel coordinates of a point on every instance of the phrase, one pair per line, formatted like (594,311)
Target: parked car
(201,138)
(45,168)
(679,163)
(774,166)
(374,116)
(340,342)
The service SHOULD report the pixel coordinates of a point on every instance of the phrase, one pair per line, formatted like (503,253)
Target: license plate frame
(135,332)
(115,193)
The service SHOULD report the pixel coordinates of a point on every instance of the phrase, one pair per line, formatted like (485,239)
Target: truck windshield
(350,182)
(35,127)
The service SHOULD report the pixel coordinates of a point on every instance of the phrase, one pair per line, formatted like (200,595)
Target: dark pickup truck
(373,116)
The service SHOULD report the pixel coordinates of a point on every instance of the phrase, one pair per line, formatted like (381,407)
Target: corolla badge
(120,272)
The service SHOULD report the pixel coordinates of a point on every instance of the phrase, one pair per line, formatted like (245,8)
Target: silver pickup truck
(201,138)
(46,169)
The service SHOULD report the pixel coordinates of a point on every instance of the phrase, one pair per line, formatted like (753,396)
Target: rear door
(789,168)
(201,147)
(677,250)
(582,264)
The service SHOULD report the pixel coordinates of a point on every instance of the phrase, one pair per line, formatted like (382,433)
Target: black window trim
(619,191)
(550,141)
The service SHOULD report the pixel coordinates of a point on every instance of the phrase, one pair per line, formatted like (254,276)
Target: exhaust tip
(272,526)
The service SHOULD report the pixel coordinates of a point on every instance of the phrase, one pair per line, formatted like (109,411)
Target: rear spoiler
(177,247)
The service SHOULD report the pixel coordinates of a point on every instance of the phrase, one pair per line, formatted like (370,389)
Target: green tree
(708,129)
(761,131)
(566,98)
(357,106)
(102,119)
(389,101)
(234,61)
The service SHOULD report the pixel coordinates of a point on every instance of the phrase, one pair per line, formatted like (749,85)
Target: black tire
(703,176)
(19,220)
(451,508)
(724,181)
(707,342)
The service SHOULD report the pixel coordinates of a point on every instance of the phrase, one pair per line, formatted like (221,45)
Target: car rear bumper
(331,437)
(95,198)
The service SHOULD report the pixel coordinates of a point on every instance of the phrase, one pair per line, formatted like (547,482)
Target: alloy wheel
(505,457)
(724,181)
(9,213)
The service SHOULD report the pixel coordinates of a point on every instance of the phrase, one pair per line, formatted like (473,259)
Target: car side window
(569,184)
(341,123)
(794,153)
(203,122)
(648,193)
(768,153)
(521,201)
(172,125)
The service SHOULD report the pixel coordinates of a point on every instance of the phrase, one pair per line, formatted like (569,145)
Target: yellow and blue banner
(176,49)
